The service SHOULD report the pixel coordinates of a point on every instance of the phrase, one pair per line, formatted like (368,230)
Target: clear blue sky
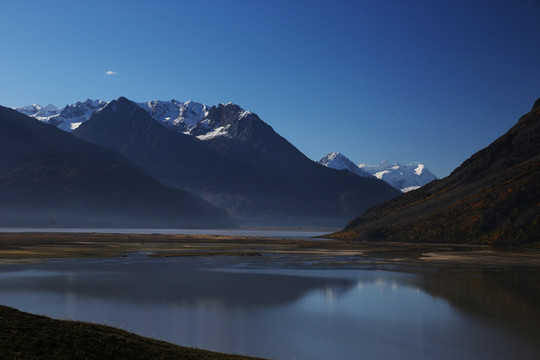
(430,81)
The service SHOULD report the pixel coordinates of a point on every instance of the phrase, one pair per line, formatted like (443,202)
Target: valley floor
(407,257)
(28,336)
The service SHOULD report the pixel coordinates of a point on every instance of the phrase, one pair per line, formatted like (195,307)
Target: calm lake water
(241,306)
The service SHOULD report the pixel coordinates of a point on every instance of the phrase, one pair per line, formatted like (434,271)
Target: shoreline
(431,261)
(24,247)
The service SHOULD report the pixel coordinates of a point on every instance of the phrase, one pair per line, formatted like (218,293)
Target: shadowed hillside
(50,178)
(493,198)
(26,336)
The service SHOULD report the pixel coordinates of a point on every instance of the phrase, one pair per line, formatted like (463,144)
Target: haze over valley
(224,154)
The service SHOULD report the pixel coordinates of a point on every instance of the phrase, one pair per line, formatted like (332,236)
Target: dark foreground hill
(50,178)
(248,169)
(493,198)
(26,336)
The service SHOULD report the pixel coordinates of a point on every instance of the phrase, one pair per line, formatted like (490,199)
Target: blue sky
(429,81)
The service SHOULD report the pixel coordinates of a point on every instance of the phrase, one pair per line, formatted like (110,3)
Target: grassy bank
(26,336)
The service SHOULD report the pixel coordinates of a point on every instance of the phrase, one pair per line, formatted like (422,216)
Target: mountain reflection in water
(240,306)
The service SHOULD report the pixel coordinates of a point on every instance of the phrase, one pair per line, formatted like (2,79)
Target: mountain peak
(49,107)
(403,177)
(189,117)
(339,161)
(124,100)
(228,108)
(536,104)
(332,156)
(129,111)
(42,113)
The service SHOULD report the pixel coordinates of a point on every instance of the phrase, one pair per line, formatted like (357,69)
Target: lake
(246,306)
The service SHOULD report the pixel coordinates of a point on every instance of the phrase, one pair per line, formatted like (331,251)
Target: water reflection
(287,313)
(507,297)
(166,282)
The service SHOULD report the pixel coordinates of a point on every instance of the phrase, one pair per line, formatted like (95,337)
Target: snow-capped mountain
(338,161)
(67,118)
(192,118)
(184,116)
(225,154)
(233,159)
(403,177)
(226,121)
(189,117)
(42,113)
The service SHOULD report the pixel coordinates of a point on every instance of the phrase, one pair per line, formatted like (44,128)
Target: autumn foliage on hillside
(493,198)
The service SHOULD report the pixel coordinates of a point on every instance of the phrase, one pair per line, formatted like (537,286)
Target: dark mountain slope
(249,169)
(51,178)
(174,158)
(308,186)
(492,198)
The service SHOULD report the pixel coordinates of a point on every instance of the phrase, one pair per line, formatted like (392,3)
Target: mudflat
(408,257)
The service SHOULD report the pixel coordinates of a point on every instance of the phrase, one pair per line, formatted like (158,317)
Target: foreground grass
(26,336)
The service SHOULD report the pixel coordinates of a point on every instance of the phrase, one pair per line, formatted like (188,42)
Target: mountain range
(402,177)
(67,118)
(492,198)
(405,177)
(190,118)
(236,161)
(224,154)
(51,178)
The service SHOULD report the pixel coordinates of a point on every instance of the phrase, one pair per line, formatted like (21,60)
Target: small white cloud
(110,72)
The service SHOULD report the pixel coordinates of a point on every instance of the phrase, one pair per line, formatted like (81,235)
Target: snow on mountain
(228,120)
(195,119)
(403,177)
(219,131)
(67,118)
(184,116)
(338,161)
(74,115)
(190,118)
(42,113)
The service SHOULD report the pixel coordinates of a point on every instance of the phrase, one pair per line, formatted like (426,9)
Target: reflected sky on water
(280,313)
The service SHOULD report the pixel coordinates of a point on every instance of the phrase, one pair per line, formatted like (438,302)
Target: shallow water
(230,305)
